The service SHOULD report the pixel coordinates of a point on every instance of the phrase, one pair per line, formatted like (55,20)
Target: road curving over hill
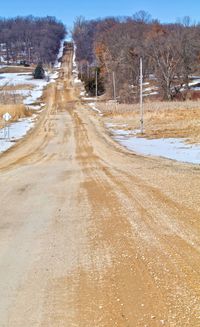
(90,234)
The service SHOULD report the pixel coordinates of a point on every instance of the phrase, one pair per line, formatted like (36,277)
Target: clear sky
(68,10)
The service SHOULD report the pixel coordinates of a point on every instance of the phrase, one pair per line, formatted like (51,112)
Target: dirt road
(90,234)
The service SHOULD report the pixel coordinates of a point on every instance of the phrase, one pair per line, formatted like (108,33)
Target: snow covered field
(171,148)
(20,128)
(16,79)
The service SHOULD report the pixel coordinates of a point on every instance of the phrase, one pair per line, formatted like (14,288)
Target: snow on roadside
(87,98)
(93,107)
(171,148)
(82,93)
(59,56)
(17,131)
(75,68)
(20,128)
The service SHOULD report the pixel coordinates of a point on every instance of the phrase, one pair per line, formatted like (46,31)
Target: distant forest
(30,39)
(170,52)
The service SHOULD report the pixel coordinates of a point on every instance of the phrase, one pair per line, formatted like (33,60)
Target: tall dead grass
(161,119)
(16,69)
(18,87)
(155,106)
(10,98)
(17,111)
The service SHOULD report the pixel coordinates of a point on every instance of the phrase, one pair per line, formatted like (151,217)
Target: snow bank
(93,107)
(59,56)
(75,68)
(87,99)
(16,131)
(82,93)
(34,95)
(170,148)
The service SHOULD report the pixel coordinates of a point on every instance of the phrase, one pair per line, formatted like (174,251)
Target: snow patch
(171,148)
(59,56)
(75,68)
(16,131)
(93,107)
(82,93)
(87,99)
(20,128)
(31,96)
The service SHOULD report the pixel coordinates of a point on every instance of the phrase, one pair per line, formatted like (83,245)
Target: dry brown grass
(18,87)
(10,98)
(161,119)
(8,95)
(16,69)
(123,109)
(17,111)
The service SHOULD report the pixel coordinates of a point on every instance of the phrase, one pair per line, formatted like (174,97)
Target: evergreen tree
(39,72)
(90,83)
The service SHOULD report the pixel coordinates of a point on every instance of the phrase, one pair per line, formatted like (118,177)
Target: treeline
(30,39)
(170,52)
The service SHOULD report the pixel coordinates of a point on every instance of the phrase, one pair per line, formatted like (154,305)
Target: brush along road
(90,234)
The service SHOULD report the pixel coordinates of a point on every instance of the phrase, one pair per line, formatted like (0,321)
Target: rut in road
(90,234)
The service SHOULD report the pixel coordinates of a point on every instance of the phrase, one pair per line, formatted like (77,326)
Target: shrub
(39,72)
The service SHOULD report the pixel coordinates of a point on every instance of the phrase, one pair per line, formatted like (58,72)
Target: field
(21,96)
(12,94)
(17,111)
(161,119)
(18,89)
(16,69)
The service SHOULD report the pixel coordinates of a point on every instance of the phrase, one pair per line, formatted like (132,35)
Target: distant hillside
(29,40)
(113,47)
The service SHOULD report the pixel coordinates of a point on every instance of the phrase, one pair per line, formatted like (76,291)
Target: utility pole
(88,70)
(29,55)
(114,87)
(96,83)
(81,71)
(141,98)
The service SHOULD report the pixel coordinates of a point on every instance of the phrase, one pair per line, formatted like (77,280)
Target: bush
(90,84)
(39,72)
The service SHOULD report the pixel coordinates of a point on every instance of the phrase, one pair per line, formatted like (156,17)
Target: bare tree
(31,39)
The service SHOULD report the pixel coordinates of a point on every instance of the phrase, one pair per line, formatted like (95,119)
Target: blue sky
(68,10)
